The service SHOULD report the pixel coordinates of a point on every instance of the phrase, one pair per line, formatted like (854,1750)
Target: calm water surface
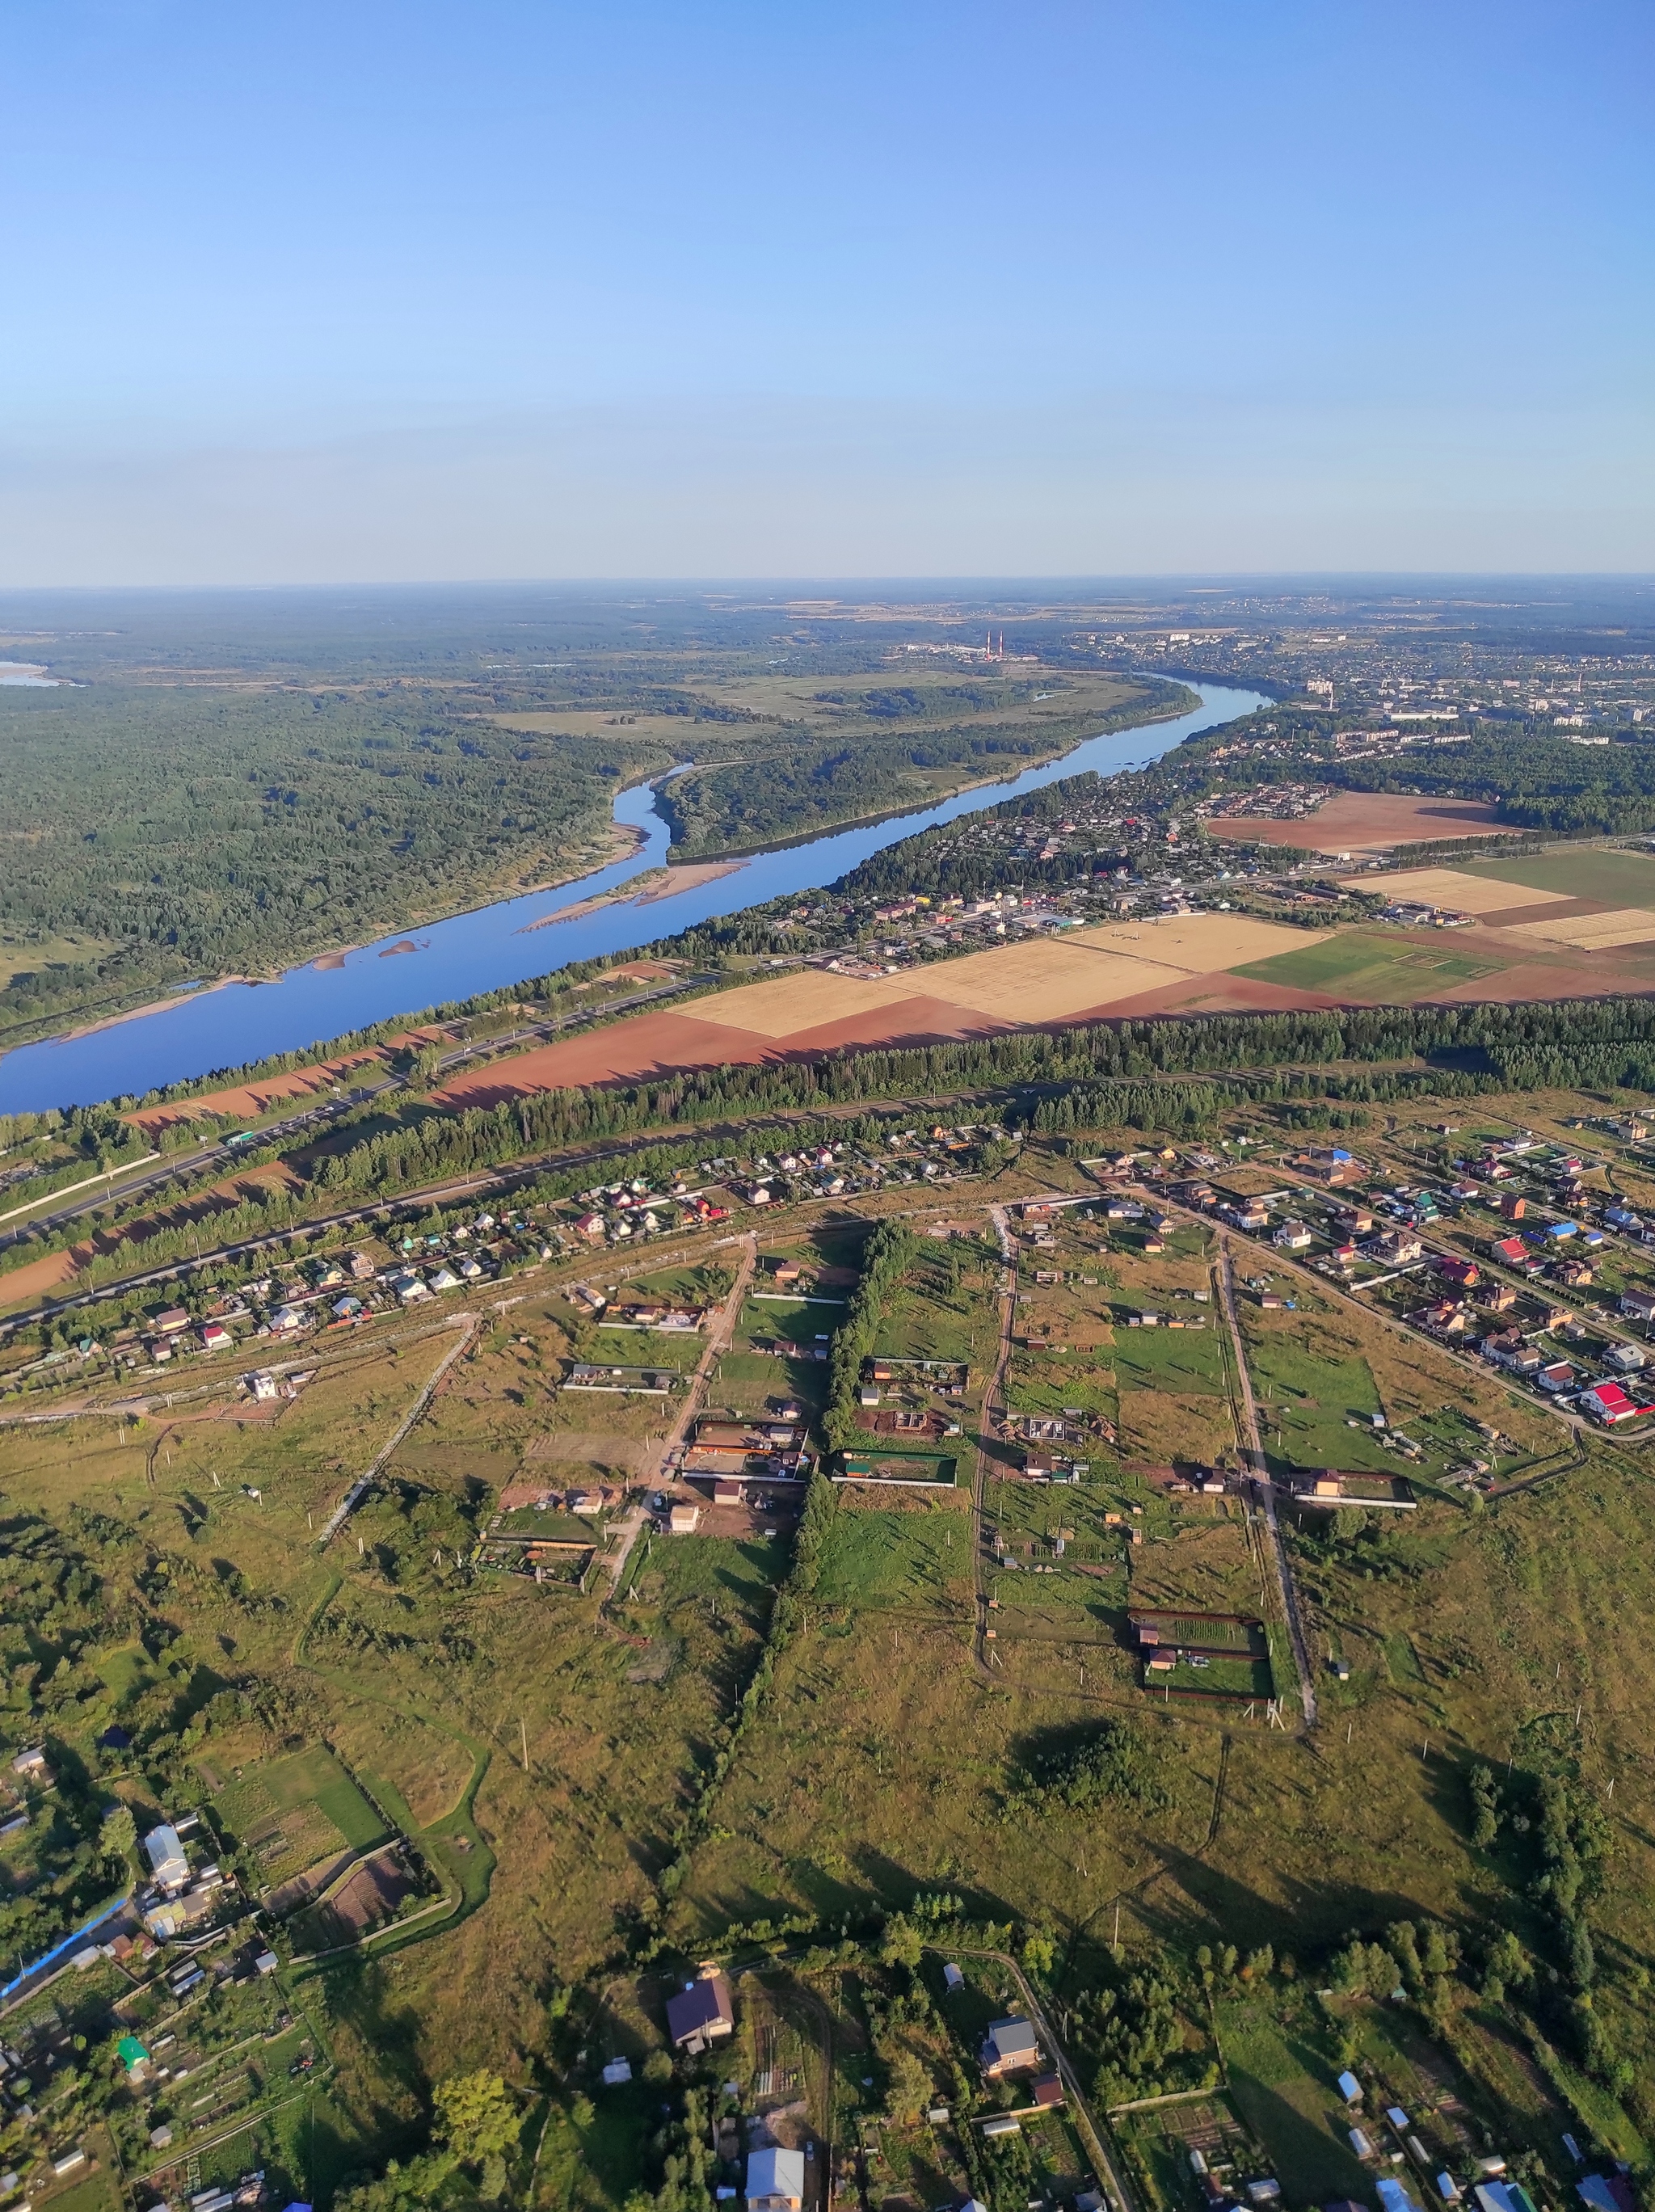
(498,944)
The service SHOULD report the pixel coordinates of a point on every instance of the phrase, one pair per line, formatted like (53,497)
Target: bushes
(820,1506)
(885,1257)
(1115,1763)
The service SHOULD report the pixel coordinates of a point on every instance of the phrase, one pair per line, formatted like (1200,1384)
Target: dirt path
(1109,2172)
(629,1529)
(995,1391)
(468,1323)
(1264,1491)
(718,1340)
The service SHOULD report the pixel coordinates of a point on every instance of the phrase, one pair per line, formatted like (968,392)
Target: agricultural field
(1617,879)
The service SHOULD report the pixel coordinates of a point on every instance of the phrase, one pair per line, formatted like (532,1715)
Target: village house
(168,1868)
(1353,1220)
(1608,1403)
(1248,1213)
(1444,1318)
(775,2180)
(1329,1166)
(1395,1247)
(701,2013)
(1010,2047)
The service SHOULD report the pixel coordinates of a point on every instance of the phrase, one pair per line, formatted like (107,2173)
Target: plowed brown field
(1372,822)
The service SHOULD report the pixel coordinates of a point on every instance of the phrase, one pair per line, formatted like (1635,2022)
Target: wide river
(501,944)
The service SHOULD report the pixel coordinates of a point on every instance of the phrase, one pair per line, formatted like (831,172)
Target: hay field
(788,1003)
(1452,887)
(1198,943)
(1591,932)
(1045,979)
(1367,821)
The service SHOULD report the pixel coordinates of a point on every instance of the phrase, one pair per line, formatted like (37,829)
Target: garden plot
(1158,2142)
(375,1894)
(944,1312)
(1204,1561)
(1172,1393)
(294,1812)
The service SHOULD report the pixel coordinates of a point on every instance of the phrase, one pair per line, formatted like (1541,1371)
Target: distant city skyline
(405,294)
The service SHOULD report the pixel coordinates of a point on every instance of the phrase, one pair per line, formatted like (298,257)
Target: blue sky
(311,294)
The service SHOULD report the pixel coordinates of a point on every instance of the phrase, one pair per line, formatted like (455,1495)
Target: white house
(167,1864)
(775,2180)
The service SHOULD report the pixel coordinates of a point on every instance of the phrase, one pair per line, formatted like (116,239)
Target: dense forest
(816,781)
(1537,780)
(152,834)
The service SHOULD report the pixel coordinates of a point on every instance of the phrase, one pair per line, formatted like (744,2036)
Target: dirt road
(1263,1493)
(719,1335)
(1109,2172)
(983,1651)
(469,1325)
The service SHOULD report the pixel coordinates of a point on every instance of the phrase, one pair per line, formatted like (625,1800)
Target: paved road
(317,1113)
(1264,1491)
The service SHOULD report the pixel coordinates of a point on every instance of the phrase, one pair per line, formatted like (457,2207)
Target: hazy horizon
(1068,291)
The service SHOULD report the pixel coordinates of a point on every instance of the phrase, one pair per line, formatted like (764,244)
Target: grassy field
(1618,879)
(883,1760)
(1281,2067)
(1378,964)
(919,1556)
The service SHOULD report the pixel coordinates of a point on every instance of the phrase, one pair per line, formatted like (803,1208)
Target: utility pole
(523,1725)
